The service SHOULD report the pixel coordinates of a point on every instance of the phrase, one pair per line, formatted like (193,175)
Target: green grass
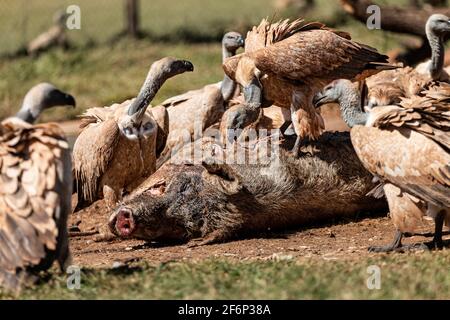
(22,20)
(415,276)
(104,75)
(172,20)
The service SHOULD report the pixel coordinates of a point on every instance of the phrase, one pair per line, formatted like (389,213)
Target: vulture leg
(437,242)
(303,116)
(394,246)
(287,128)
(301,139)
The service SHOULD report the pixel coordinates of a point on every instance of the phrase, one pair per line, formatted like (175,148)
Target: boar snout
(122,223)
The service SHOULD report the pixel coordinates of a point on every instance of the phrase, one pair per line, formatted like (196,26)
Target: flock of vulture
(399,119)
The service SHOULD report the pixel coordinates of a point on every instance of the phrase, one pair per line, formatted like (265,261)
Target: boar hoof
(104,235)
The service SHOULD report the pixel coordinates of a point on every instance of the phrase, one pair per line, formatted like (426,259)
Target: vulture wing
(406,158)
(173,101)
(428,115)
(266,33)
(93,151)
(161,116)
(35,199)
(319,53)
(409,145)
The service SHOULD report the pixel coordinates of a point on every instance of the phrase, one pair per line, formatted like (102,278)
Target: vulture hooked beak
(188,66)
(241,42)
(319,100)
(60,98)
(70,100)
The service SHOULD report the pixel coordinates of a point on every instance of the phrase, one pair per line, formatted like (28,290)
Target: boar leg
(214,237)
(104,234)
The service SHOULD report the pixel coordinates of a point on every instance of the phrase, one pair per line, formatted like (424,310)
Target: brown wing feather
(407,159)
(181,98)
(428,115)
(267,33)
(317,53)
(35,194)
(161,116)
(92,153)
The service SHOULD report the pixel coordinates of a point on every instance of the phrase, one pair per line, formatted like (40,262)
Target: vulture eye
(148,126)
(127,131)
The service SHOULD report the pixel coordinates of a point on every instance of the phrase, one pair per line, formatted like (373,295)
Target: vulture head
(347,94)
(438,24)
(40,97)
(232,41)
(335,91)
(136,123)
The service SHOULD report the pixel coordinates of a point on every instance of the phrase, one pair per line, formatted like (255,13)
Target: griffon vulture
(117,146)
(287,63)
(407,146)
(194,111)
(387,87)
(35,190)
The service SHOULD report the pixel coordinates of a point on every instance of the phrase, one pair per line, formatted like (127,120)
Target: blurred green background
(101,68)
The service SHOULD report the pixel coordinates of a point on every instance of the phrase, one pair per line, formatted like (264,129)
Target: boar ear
(222,176)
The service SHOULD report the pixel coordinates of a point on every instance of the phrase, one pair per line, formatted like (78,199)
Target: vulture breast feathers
(301,51)
(412,149)
(35,199)
(101,142)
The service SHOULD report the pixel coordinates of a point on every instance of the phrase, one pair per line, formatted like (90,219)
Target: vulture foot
(396,245)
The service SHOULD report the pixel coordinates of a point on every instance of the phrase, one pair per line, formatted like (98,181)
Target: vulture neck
(153,82)
(25,113)
(352,114)
(228,86)
(437,54)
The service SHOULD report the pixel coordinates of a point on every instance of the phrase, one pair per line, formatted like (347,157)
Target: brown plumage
(407,146)
(189,115)
(35,189)
(35,195)
(389,86)
(287,63)
(192,112)
(118,144)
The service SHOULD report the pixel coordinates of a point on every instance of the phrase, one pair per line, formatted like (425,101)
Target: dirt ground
(345,240)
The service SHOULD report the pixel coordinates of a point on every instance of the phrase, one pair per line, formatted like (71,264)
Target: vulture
(194,111)
(54,36)
(406,146)
(117,145)
(387,87)
(436,29)
(287,63)
(35,190)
